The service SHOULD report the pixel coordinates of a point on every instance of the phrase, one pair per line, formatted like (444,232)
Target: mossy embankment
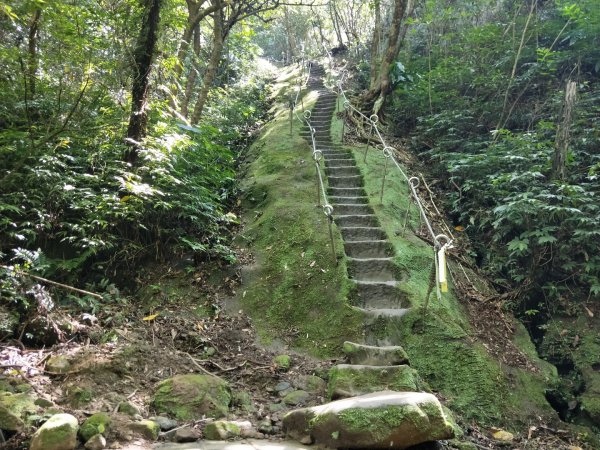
(295,290)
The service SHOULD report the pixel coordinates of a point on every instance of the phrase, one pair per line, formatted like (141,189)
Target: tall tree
(145,51)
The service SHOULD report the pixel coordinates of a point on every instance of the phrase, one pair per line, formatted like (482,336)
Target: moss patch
(96,424)
(296,288)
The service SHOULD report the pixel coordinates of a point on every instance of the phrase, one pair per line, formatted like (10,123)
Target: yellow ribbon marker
(442,279)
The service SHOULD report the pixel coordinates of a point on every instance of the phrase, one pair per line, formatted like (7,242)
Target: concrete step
(373,269)
(384,312)
(361,233)
(367,220)
(371,294)
(340,162)
(341,171)
(348,181)
(346,192)
(368,249)
(348,209)
(349,200)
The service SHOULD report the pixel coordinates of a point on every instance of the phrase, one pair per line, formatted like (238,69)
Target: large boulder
(58,433)
(191,396)
(349,380)
(369,355)
(14,408)
(379,420)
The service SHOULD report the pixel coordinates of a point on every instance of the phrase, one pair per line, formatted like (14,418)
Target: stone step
(351,181)
(360,233)
(378,295)
(373,269)
(340,162)
(376,313)
(346,209)
(368,249)
(346,192)
(341,171)
(351,380)
(367,220)
(388,355)
(349,200)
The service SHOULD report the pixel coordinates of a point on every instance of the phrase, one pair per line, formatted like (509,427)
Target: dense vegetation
(486,106)
(75,207)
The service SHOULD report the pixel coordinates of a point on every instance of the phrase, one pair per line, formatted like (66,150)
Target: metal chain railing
(441,242)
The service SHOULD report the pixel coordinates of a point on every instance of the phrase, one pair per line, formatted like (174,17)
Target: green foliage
(491,136)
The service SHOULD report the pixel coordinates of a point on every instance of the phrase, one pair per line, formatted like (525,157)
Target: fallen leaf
(530,433)
(459,228)
(503,436)
(591,314)
(151,317)
(312,264)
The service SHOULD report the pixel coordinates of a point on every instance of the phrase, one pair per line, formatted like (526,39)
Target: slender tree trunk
(142,66)
(213,65)
(32,48)
(192,75)
(336,23)
(563,133)
(291,36)
(375,97)
(375,44)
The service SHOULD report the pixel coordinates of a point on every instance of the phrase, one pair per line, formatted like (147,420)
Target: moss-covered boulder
(191,396)
(148,429)
(58,433)
(310,383)
(369,355)
(282,362)
(379,420)
(14,409)
(296,398)
(95,424)
(221,430)
(346,380)
(58,364)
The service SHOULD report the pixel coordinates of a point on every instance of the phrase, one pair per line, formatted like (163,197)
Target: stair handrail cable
(413,182)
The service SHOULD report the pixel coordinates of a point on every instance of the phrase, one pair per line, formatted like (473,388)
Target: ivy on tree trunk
(144,53)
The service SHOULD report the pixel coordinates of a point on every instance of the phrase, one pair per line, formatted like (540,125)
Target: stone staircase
(370,254)
(377,389)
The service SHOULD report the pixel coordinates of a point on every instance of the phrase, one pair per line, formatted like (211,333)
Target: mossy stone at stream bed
(190,396)
(95,424)
(58,433)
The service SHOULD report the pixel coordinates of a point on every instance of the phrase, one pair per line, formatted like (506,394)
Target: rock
(58,364)
(164,423)
(275,407)
(43,403)
(282,362)
(282,386)
(96,442)
(311,384)
(186,434)
(346,380)
(128,408)
(190,396)
(58,433)
(503,436)
(221,430)
(148,429)
(243,400)
(296,398)
(374,356)
(265,426)
(14,409)
(378,420)
(95,424)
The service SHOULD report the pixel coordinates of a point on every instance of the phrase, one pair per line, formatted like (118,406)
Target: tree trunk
(32,46)
(336,24)
(375,42)
(563,133)
(375,97)
(192,75)
(291,36)
(213,65)
(142,66)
